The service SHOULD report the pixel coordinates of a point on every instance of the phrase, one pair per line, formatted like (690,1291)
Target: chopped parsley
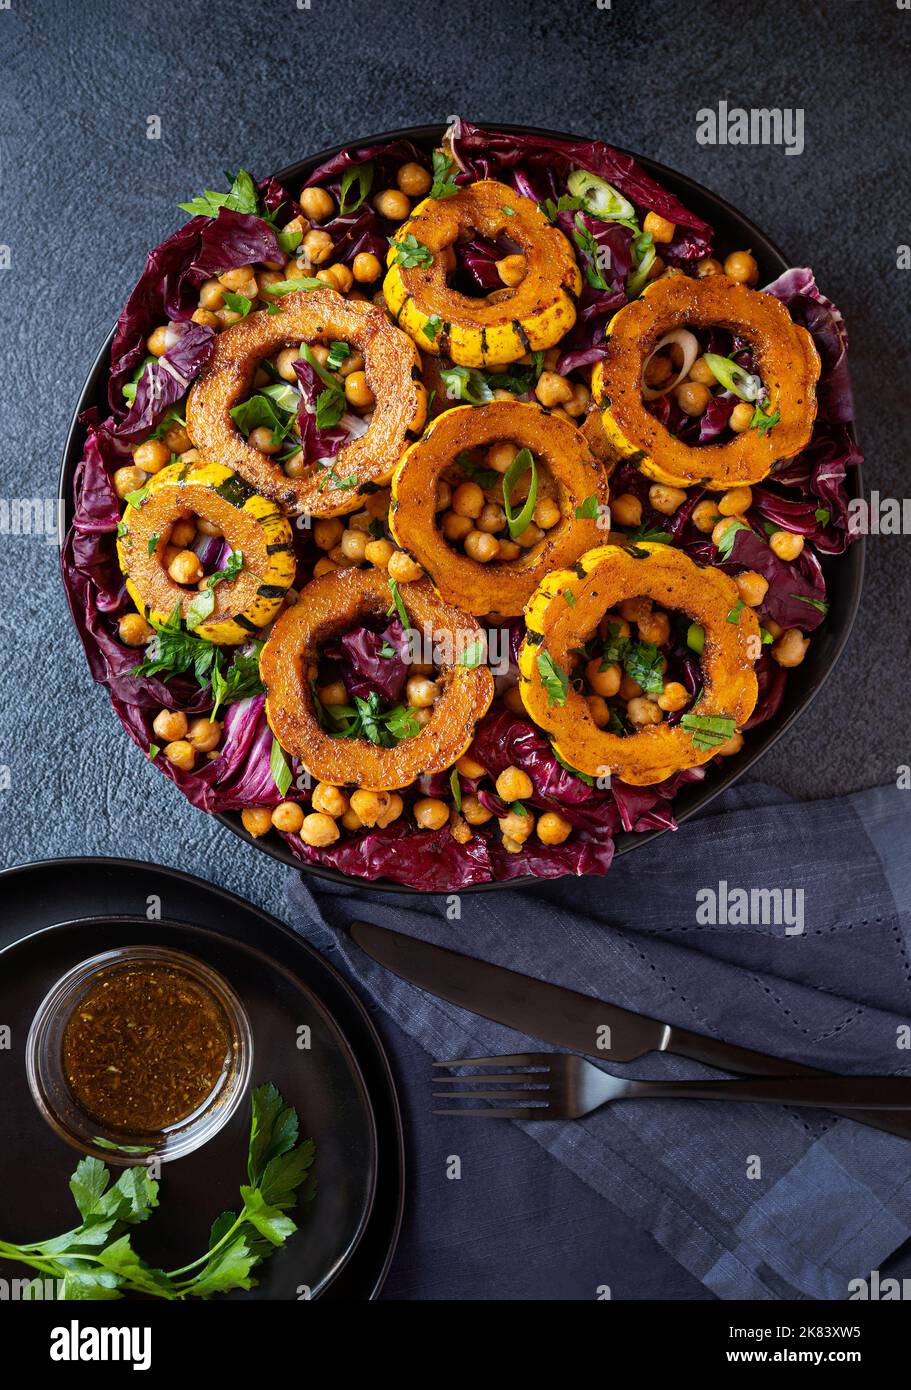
(410,252)
(553,678)
(444,172)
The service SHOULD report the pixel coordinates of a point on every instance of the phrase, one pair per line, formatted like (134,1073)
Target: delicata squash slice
(503,326)
(252,528)
(392,368)
(499,586)
(785,360)
(565,612)
(330,606)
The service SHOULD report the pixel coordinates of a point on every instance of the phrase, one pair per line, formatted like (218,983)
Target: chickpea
(635,609)
(431,813)
(351,820)
(474,812)
(225,317)
(708,266)
(772,628)
(552,389)
(741,417)
(735,501)
(317,247)
(206,319)
(261,439)
(181,754)
(413,179)
(316,204)
(320,353)
(378,553)
(333,694)
(579,402)
(658,370)
(530,536)
(752,587)
(508,550)
(702,372)
(787,545)
(393,204)
(421,692)
(284,363)
(366,267)
(403,569)
(553,828)
(626,510)
(294,465)
(547,513)
(177,439)
(660,229)
(204,734)
(613,624)
(491,519)
(455,527)
(353,546)
(604,682)
(170,724)
(516,827)
(599,710)
(791,647)
(157,341)
(211,295)
(331,800)
(459,828)
(500,456)
(443,496)
(391,811)
(705,515)
(337,277)
(151,456)
(354,362)
(692,397)
(513,700)
(470,767)
(133,630)
(666,499)
(192,456)
(481,547)
(468,500)
(673,697)
(629,689)
(514,785)
(512,270)
(722,528)
(186,567)
(288,816)
(358,393)
(742,267)
(327,532)
(319,830)
(257,820)
(641,711)
(733,745)
(655,628)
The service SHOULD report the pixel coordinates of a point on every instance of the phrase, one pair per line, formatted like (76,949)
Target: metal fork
(562,1086)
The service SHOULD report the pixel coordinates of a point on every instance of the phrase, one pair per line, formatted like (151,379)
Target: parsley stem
(173,1273)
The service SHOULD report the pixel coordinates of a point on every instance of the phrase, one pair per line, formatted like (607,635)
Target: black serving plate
(341,1085)
(843,573)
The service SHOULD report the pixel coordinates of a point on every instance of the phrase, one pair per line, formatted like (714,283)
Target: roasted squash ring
(785,357)
(331,605)
(602,579)
(504,326)
(392,367)
(503,587)
(250,523)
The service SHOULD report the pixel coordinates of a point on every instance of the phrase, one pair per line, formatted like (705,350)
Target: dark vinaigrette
(145,1047)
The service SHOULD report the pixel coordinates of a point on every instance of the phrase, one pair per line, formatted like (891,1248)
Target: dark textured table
(85,193)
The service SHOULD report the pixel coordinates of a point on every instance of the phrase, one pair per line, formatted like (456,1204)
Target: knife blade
(580,1022)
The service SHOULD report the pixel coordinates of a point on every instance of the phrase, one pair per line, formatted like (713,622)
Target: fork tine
(507,1113)
(515,1077)
(492,1095)
(518,1059)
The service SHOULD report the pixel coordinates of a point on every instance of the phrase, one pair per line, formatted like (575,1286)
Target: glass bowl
(60,1106)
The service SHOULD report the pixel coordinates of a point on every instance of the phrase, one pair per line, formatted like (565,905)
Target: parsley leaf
(708,730)
(466,384)
(444,172)
(554,679)
(588,509)
(410,252)
(241,197)
(398,605)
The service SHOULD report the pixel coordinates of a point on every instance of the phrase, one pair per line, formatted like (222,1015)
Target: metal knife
(572,1020)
